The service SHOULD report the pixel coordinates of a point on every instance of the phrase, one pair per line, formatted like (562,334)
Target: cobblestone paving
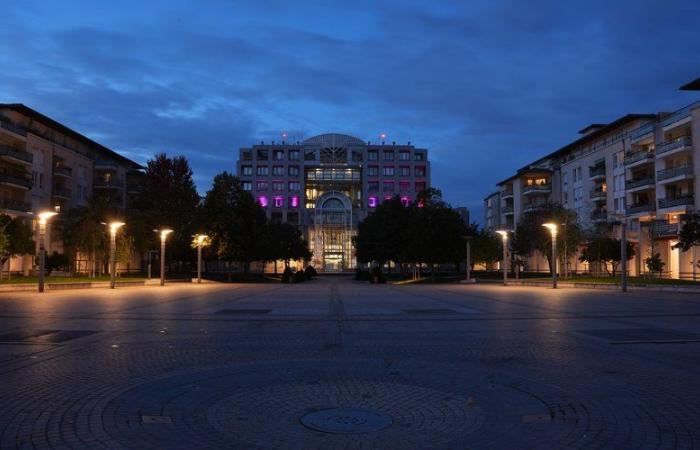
(452,366)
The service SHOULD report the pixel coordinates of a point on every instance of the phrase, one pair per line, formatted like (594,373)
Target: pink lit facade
(328,183)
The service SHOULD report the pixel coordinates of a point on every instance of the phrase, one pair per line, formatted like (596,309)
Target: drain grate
(632,335)
(347,420)
(43,336)
(430,311)
(244,312)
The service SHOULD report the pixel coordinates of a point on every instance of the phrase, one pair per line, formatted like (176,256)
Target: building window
(277,186)
(262,170)
(373,186)
(405,201)
(420,186)
(310,155)
(293,217)
(404,155)
(261,154)
(388,155)
(263,201)
(372,155)
(278,202)
(278,170)
(247,186)
(261,186)
(420,171)
(388,186)
(278,155)
(293,171)
(276,217)
(388,171)
(246,170)
(404,186)
(294,155)
(294,186)
(293,202)
(372,202)
(419,156)
(405,171)
(246,156)
(372,171)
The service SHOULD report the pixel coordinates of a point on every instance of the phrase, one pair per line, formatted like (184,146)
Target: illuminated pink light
(372,202)
(388,197)
(405,201)
(278,202)
(294,201)
(263,201)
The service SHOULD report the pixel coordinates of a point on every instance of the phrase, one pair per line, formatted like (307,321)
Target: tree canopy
(16,238)
(689,234)
(606,250)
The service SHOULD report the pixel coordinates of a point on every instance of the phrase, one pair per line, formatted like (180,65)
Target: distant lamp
(552,227)
(504,237)
(113,228)
(164,232)
(44,217)
(201,240)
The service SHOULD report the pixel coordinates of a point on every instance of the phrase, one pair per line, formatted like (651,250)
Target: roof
(692,86)
(333,140)
(590,127)
(36,115)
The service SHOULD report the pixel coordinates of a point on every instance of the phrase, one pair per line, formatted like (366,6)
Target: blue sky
(486,86)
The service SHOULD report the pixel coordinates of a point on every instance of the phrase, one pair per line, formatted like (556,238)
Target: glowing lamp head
(165,232)
(201,238)
(284,135)
(44,216)
(382,136)
(114,226)
(552,227)
(503,233)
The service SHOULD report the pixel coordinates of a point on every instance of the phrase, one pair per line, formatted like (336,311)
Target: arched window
(333,203)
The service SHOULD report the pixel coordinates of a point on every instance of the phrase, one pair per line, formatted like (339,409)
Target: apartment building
(46,165)
(328,183)
(638,168)
(492,211)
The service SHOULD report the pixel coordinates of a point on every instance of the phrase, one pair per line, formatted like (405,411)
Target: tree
(56,261)
(485,246)
(606,250)
(689,235)
(655,264)
(531,236)
(286,243)
(236,222)
(125,249)
(380,236)
(16,238)
(169,199)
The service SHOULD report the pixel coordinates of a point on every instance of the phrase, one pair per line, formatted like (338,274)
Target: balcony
(506,194)
(599,215)
(677,116)
(16,181)
(640,208)
(686,200)
(108,184)
(596,172)
(63,171)
(640,184)
(638,158)
(109,166)
(676,146)
(530,207)
(13,128)
(61,192)
(507,210)
(663,228)
(683,172)
(16,155)
(598,195)
(642,131)
(14,205)
(534,189)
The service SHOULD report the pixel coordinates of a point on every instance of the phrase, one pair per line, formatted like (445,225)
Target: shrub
(299,276)
(287,275)
(377,276)
(361,275)
(310,272)
(56,261)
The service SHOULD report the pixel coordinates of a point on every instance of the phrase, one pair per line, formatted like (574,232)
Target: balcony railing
(13,128)
(533,206)
(17,181)
(62,192)
(62,170)
(673,172)
(20,155)
(506,193)
(596,171)
(685,141)
(686,200)
(507,210)
(537,189)
(106,165)
(678,115)
(642,131)
(599,214)
(640,208)
(598,193)
(663,228)
(631,158)
(110,184)
(631,184)
(15,205)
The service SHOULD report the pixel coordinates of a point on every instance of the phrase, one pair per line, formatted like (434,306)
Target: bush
(287,275)
(310,272)
(361,275)
(377,276)
(56,261)
(299,276)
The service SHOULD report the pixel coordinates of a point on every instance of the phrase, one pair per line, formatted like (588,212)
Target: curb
(609,287)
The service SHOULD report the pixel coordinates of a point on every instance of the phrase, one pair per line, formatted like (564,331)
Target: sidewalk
(603,286)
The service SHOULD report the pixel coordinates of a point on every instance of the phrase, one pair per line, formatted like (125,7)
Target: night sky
(487,86)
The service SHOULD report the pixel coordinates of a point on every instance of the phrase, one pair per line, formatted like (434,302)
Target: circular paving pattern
(344,403)
(347,420)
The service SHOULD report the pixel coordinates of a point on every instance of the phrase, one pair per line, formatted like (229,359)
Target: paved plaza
(335,363)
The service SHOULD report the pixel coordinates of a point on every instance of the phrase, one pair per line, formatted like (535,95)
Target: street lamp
(113,228)
(163,236)
(504,236)
(44,217)
(553,229)
(468,238)
(200,239)
(621,219)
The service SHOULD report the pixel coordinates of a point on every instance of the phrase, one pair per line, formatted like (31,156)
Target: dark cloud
(486,86)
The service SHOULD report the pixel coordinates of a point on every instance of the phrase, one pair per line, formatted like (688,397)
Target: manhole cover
(346,420)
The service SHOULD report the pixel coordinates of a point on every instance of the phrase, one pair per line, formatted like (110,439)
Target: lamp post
(200,238)
(621,219)
(44,217)
(468,239)
(163,236)
(113,228)
(504,237)
(553,229)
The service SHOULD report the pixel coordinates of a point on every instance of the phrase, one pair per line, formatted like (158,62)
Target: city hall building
(328,183)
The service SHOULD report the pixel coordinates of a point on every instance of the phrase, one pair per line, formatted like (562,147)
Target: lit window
(262,170)
(247,186)
(388,171)
(293,202)
(405,201)
(372,202)
(278,186)
(246,170)
(278,202)
(263,201)
(294,186)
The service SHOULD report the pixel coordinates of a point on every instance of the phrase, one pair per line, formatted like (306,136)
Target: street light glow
(165,232)
(503,233)
(44,216)
(552,227)
(114,226)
